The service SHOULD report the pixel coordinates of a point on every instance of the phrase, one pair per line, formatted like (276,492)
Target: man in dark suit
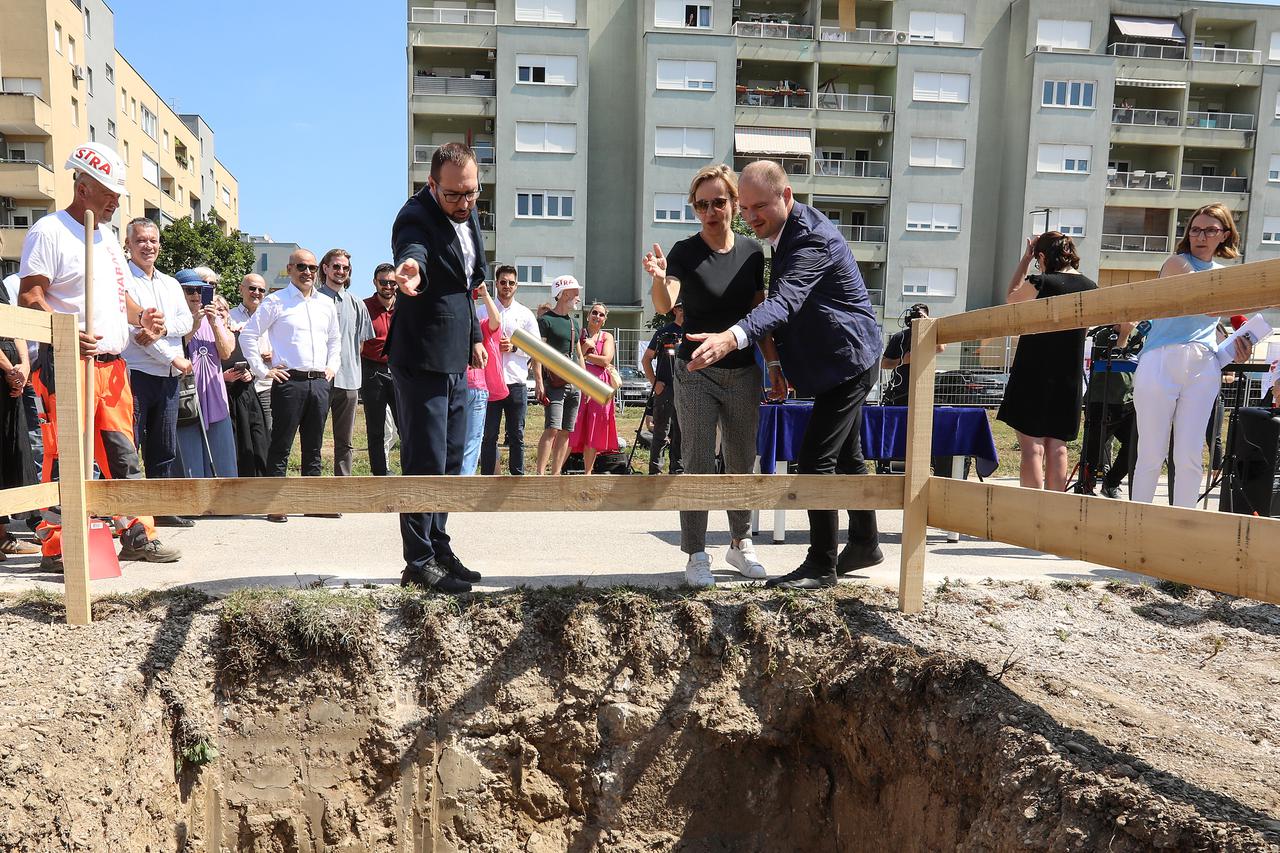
(828,344)
(434,336)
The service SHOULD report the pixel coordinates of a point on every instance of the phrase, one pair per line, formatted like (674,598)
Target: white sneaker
(697,572)
(743,558)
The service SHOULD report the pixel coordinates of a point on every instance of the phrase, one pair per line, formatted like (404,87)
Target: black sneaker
(851,559)
(808,576)
(173,521)
(1110,491)
(451,564)
(432,576)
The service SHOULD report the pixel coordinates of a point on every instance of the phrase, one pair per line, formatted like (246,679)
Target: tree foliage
(184,245)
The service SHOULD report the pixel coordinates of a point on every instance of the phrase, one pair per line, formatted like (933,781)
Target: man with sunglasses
(253,289)
(306,354)
(376,387)
(354,328)
(434,336)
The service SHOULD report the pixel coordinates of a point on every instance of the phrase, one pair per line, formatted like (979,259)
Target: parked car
(635,387)
(969,387)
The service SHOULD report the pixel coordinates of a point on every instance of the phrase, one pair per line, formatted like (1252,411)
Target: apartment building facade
(62,82)
(935,135)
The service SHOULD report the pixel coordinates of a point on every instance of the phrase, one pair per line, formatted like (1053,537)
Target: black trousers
(665,426)
(377,393)
(832,444)
(514,407)
(433,428)
(297,406)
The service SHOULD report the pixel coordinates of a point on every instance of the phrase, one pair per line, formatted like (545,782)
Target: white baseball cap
(563,283)
(100,163)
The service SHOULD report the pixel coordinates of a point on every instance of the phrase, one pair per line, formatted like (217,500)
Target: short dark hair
(1059,251)
(456,153)
(382,268)
(505,269)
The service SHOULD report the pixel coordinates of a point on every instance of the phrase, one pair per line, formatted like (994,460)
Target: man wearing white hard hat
(563,333)
(52,272)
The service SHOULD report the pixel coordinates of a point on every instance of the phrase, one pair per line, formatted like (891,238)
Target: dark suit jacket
(818,308)
(435,329)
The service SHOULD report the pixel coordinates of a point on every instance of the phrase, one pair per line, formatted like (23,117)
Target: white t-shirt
(54,248)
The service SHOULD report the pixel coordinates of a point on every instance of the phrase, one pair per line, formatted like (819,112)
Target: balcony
(432,26)
(26,180)
(793,166)
(1147,244)
(444,15)
(1226,54)
(24,115)
(1221,121)
(485,153)
(779,98)
(1146,118)
(858,36)
(11,240)
(876,169)
(454,96)
(1139,179)
(855,103)
(772,30)
(1134,50)
(868,241)
(1213,184)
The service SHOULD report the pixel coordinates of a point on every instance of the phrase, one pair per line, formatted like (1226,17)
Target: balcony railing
(1213,184)
(1147,51)
(487,220)
(851,168)
(1226,54)
(485,153)
(442,15)
(761,30)
(855,103)
(1222,121)
(790,165)
(1146,118)
(858,36)
(862,233)
(774,98)
(467,86)
(1139,180)
(1134,243)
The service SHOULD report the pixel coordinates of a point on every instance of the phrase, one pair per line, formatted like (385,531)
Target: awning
(1159,29)
(794,142)
(1151,84)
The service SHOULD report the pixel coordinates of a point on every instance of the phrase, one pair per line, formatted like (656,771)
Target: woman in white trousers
(1178,377)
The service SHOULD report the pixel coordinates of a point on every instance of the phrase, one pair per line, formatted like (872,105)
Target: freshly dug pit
(564,720)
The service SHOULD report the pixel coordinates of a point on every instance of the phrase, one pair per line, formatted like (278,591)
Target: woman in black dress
(1045,393)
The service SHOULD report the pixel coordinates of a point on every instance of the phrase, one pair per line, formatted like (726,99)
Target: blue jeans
(477,408)
(155,422)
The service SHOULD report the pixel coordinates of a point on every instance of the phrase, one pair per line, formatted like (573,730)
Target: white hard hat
(563,283)
(100,163)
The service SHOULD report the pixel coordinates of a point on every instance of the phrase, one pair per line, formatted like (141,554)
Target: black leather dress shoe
(808,576)
(851,559)
(173,521)
(451,564)
(432,576)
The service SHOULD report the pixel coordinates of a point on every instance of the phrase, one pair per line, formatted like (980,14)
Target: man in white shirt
(155,365)
(354,328)
(52,272)
(515,370)
(307,348)
(253,289)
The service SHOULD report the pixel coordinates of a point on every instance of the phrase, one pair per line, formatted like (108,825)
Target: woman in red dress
(597,426)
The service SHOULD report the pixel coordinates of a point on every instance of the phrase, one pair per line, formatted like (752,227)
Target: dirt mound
(557,720)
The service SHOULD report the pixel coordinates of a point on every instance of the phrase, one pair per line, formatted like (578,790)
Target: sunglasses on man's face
(311,268)
(257,290)
(386,282)
(703,204)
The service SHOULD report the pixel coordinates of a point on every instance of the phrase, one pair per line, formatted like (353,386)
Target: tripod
(1102,415)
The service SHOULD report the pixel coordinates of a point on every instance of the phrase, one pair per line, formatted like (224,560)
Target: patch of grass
(1070,585)
(1061,634)
(289,626)
(1173,589)
(1123,588)
(181,598)
(1033,591)
(41,601)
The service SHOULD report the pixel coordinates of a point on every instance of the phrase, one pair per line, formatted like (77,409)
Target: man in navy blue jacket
(828,343)
(434,336)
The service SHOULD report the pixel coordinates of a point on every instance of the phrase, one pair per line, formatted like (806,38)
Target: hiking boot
(51,563)
(451,564)
(173,521)
(697,572)
(808,576)
(1112,492)
(154,551)
(743,558)
(433,576)
(851,559)
(12,546)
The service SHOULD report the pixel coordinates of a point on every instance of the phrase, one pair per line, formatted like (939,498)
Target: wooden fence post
(915,498)
(68,372)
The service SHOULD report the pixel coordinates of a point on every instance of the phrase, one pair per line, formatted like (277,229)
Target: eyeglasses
(195,288)
(386,282)
(311,268)
(258,290)
(702,204)
(339,268)
(1211,232)
(454,198)
(598,314)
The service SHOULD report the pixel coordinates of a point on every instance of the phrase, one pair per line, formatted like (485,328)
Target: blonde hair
(1228,248)
(708,173)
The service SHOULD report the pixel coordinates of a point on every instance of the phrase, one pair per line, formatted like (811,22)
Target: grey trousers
(724,397)
(342,404)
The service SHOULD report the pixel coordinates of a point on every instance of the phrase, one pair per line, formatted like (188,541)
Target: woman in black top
(1045,393)
(718,277)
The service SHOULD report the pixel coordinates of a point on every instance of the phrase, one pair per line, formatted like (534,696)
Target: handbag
(188,401)
(613,376)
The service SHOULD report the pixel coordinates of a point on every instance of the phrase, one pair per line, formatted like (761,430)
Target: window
(937,153)
(1068,220)
(71,50)
(1063,35)
(226,196)
(935,86)
(148,122)
(23,86)
(683,141)
(57,37)
(928,281)
(124,151)
(93,133)
(1271,229)
(110,73)
(542,270)
(166,140)
(546,136)
(75,112)
(1064,158)
(544,204)
(548,70)
(1067,93)
(88,80)
(88,24)
(672,207)
(927,216)
(263,264)
(111,128)
(1274,53)
(686,74)
(677,13)
(151,170)
(550,11)
(124,100)
(939,27)
(133,109)
(1273,173)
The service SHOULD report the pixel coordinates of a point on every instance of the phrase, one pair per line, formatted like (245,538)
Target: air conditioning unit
(901,37)
(77,71)
(6,202)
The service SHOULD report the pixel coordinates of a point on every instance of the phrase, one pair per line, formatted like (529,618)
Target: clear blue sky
(308,105)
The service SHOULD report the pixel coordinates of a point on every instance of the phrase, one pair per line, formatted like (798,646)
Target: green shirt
(560,332)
